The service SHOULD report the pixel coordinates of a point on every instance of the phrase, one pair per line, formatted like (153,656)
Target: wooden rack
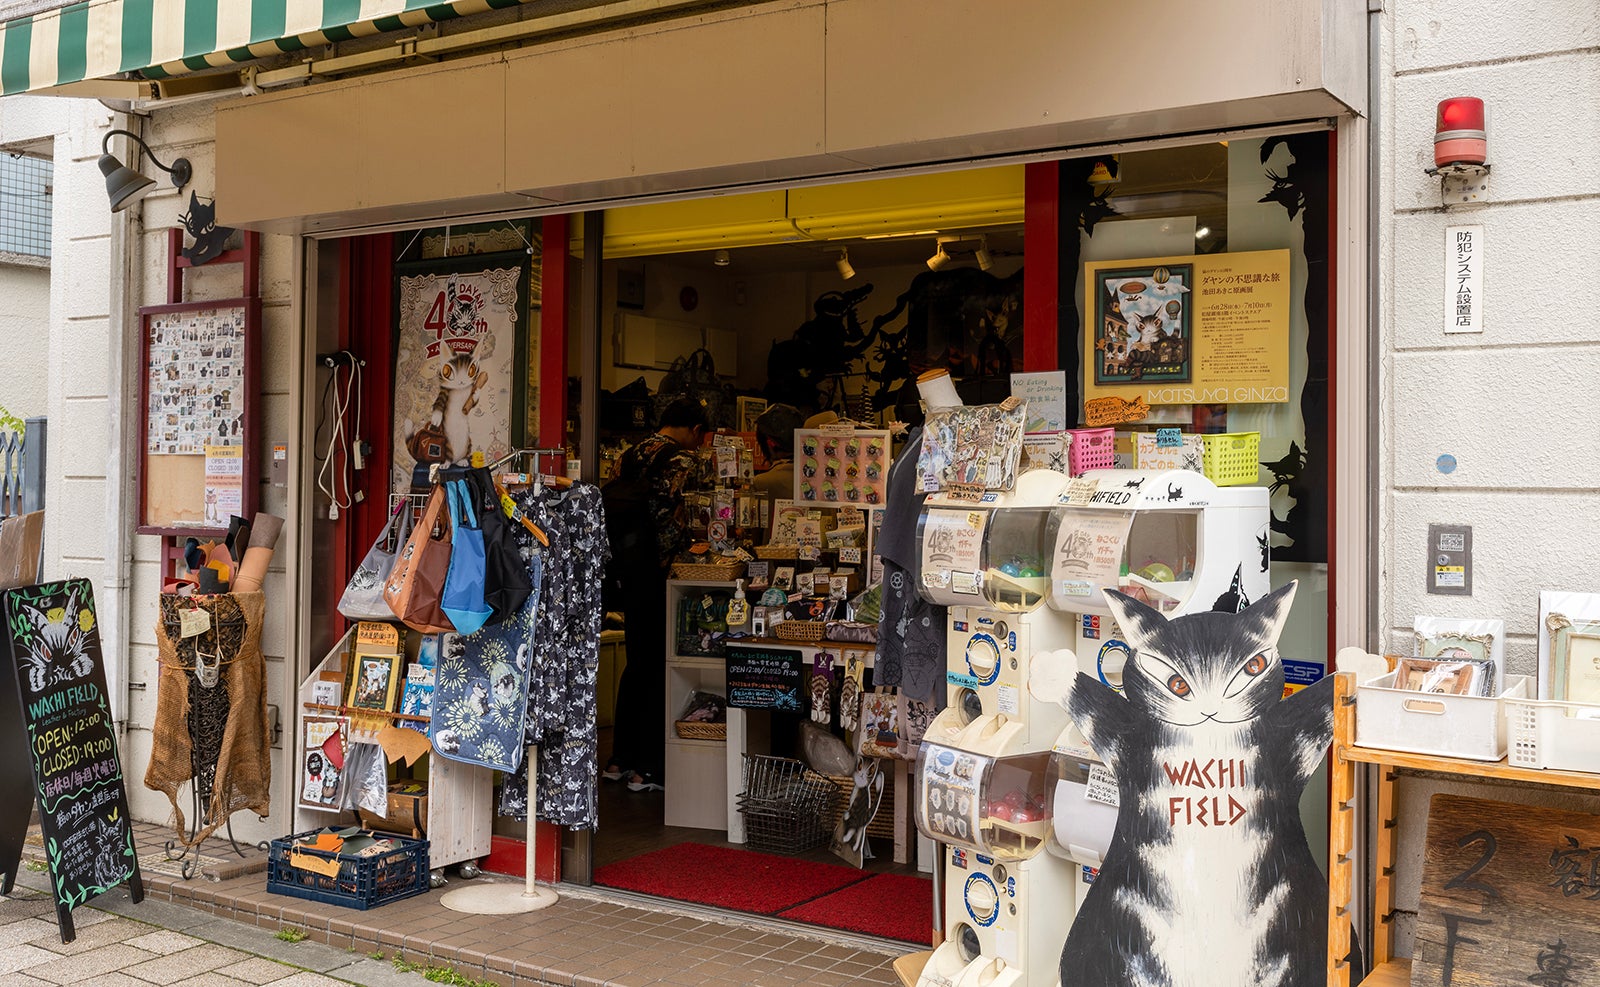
(1349,765)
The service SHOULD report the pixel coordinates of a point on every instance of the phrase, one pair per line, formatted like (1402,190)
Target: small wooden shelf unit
(1348,759)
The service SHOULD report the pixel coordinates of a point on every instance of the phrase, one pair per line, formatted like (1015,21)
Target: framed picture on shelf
(1463,640)
(1569,647)
(323,742)
(373,682)
(1446,676)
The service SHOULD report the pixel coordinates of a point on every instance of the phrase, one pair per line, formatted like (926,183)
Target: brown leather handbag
(416,583)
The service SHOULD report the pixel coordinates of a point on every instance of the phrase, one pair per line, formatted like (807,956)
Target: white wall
(190,132)
(1515,405)
(25,326)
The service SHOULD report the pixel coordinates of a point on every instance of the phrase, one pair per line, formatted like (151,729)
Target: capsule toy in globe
(1158,572)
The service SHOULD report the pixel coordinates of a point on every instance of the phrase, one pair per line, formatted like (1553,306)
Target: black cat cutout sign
(1209,879)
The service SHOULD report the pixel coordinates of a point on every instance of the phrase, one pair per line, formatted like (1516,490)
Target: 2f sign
(1463,279)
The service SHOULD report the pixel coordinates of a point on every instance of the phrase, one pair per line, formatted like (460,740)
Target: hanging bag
(363,595)
(416,583)
(506,584)
(463,584)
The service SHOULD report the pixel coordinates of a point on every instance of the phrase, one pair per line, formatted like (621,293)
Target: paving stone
(305,978)
(26,930)
(162,942)
(257,970)
(21,980)
(214,979)
(91,937)
(186,963)
(23,957)
(87,968)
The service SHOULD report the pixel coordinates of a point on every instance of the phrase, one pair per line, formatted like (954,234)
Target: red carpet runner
(891,906)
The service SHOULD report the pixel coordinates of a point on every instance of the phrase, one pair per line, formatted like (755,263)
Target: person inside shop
(648,522)
(775,431)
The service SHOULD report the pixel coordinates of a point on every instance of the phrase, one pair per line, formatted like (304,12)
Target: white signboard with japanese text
(1463,279)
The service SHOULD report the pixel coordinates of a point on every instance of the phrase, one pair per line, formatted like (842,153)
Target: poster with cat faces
(455,367)
(195,395)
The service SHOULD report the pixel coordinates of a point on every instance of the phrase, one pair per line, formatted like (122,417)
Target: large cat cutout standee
(1208,880)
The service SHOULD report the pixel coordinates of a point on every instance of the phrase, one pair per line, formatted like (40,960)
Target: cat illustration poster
(1209,879)
(1143,324)
(456,372)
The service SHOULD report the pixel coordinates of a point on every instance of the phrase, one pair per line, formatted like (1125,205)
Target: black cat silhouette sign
(1209,879)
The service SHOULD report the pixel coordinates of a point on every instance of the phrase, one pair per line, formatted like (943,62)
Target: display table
(1348,764)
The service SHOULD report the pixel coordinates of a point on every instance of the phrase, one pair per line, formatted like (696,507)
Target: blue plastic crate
(362,882)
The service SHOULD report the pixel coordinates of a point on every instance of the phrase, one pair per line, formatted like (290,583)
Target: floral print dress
(564,654)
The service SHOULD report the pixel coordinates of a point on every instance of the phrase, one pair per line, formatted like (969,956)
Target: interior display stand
(460,796)
(1350,762)
(707,775)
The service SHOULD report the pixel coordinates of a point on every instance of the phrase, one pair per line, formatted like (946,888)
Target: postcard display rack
(460,796)
(1023,807)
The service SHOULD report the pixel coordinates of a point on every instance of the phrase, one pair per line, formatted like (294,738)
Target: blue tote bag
(463,600)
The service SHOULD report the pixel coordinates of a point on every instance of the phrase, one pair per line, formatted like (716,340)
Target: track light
(982,256)
(939,258)
(721,258)
(843,264)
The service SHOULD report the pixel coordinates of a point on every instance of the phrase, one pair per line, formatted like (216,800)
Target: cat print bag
(363,595)
(415,585)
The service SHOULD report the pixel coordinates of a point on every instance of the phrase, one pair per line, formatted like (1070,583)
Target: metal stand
(508,899)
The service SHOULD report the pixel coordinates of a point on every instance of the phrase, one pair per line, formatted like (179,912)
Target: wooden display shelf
(1499,770)
(1395,973)
(1389,971)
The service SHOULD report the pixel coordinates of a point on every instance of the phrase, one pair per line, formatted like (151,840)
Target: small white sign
(1463,279)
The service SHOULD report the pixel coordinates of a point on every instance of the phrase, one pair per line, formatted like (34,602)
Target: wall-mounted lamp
(1460,150)
(982,256)
(939,258)
(124,185)
(843,264)
(721,258)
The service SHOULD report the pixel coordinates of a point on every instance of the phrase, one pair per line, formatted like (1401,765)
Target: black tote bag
(506,585)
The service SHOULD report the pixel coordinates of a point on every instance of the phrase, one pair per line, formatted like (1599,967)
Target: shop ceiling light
(1458,133)
(721,258)
(843,264)
(982,256)
(125,186)
(939,258)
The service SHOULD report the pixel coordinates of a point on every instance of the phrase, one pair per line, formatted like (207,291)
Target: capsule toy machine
(1007,905)
(989,563)
(1170,538)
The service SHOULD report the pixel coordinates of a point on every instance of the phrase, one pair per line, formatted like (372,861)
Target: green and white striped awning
(96,39)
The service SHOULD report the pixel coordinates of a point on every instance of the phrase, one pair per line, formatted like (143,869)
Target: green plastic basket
(1232,458)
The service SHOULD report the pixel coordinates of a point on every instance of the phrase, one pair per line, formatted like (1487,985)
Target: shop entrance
(766,768)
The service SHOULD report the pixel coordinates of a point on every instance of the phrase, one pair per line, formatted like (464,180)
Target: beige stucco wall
(25,326)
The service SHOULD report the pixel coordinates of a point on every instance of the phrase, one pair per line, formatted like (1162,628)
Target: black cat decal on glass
(1208,880)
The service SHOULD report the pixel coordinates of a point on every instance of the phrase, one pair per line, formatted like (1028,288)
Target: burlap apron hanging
(211,711)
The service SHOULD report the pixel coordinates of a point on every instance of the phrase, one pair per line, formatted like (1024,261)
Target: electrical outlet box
(280,464)
(1450,559)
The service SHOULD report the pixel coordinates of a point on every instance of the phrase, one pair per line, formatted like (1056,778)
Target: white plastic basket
(1555,735)
(1472,727)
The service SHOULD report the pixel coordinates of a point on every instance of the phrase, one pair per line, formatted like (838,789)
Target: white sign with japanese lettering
(1463,279)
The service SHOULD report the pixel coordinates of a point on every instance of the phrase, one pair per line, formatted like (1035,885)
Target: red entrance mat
(722,877)
(889,906)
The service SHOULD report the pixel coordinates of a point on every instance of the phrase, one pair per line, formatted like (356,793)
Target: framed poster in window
(460,360)
(197,415)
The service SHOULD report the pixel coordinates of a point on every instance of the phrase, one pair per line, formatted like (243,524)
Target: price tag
(1169,438)
(193,623)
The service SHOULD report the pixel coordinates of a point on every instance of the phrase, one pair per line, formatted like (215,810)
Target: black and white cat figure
(1209,879)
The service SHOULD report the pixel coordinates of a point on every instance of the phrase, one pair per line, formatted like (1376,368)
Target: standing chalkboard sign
(57,741)
(764,678)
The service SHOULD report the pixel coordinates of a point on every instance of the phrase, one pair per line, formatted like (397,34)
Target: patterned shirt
(669,474)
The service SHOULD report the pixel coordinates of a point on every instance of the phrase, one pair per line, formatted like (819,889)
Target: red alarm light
(1458,135)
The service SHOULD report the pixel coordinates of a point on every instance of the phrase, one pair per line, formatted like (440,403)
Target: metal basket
(786,807)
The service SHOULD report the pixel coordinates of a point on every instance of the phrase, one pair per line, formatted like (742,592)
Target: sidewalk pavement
(587,939)
(120,944)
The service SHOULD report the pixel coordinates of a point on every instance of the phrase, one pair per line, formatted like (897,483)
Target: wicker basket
(804,631)
(719,572)
(778,552)
(697,730)
(882,824)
